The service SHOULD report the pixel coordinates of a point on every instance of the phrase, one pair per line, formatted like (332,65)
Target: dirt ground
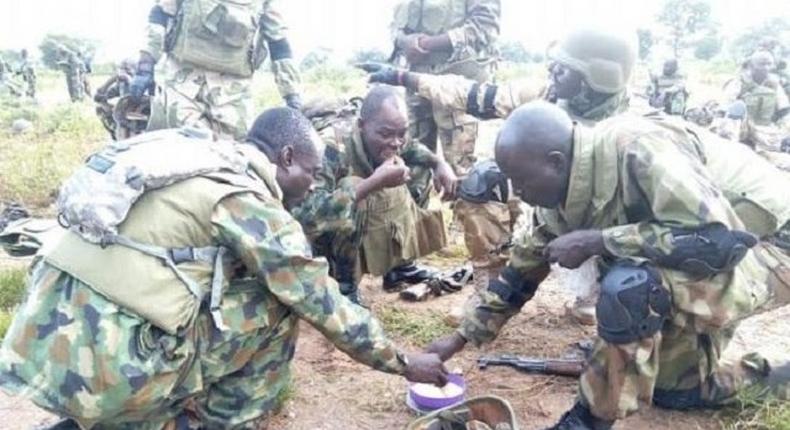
(332,392)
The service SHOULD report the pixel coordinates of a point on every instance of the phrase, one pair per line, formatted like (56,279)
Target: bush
(12,290)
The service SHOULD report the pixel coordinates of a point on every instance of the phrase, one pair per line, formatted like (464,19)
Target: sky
(346,25)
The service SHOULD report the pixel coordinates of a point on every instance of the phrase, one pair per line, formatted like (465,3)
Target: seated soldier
(190,321)
(360,215)
(678,274)
(667,91)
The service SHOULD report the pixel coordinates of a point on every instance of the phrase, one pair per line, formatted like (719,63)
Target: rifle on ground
(561,367)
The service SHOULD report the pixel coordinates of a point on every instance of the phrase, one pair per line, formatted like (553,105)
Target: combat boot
(405,274)
(580,418)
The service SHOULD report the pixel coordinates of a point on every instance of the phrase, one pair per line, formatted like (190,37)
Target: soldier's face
(567,82)
(670,67)
(296,172)
(537,180)
(385,133)
(760,67)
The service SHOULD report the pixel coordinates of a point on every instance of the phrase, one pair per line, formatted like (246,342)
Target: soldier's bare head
(383,123)
(670,66)
(534,150)
(291,143)
(760,65)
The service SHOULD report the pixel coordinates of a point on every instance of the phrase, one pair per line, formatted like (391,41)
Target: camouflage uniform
(78,354)
(28,73)
(189,94)
(762,129)
(73,68)
(633,179)
(668,93)
(385,230)
(473,27)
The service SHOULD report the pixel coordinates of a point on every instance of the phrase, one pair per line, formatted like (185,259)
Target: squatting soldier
(667,91)
(767,107)
(211,51)
(580,85)
(360,214)
(678,272)
(114,88)
(441,37)
(71,65)
(111,334)
(28,73)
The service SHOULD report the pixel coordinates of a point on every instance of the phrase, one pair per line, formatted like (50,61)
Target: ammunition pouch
(484,183)
(706,251)
(512,288)
(633,303)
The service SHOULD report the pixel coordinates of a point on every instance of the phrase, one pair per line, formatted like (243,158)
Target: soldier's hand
(141,83)
(383,73)
(572,249)
(426,368)
(445,180)
(447,346)
(391,173)
(294,101)
(410,46)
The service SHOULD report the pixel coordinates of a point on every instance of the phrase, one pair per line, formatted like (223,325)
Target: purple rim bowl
(432,403)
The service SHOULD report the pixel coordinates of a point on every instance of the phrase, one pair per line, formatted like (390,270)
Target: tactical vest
(140,230)
(760,102)
(218,35)
(433,17)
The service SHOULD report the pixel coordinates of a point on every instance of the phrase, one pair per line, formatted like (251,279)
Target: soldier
(212,49)
(28,73)
(678,272)
(72,67)
(589,73)
(767,121)
(109,359)
(112,90)
(440,37)
(667,91)
(360,214)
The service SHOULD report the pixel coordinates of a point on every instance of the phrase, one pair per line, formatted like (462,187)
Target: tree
(515,52)
(316,58)
(369,55)
(49,45)
(684,20)
(708,47)
(645,42)
(777,29)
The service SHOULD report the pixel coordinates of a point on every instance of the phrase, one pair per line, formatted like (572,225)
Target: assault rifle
(561,367)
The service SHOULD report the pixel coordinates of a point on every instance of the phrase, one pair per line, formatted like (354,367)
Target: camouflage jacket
(271,26)
(762,100)
(489,101)
(471,25)
(332,201)
(633,179)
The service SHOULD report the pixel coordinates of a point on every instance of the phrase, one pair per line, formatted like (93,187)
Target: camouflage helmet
(605,58)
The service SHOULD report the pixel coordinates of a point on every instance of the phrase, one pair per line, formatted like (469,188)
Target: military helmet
(605,58)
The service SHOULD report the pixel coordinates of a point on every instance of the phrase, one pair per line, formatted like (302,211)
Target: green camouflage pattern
(656,170)
(77,354)
(189,95)
(28,73)
(668,93)
(339,226)
(74,69)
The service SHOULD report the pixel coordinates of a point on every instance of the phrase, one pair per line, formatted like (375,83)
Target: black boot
(405,274)
(580,418)
(63,424)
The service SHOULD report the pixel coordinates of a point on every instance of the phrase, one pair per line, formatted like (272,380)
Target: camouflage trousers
(682,363)
(432,125)
(75,86)
(79,355)
(187,97)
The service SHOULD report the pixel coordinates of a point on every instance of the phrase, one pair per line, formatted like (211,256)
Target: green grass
(753,411)
(12,289)
(417,328)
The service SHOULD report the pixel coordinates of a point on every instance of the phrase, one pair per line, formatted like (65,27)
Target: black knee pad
(633,303)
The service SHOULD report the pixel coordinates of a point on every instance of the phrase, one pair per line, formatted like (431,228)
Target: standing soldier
(440,37)
(667,91)
(72,66)
(28,74)
(589,73)
(211,50)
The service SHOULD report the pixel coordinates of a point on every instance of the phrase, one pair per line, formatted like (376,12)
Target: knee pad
(633,304)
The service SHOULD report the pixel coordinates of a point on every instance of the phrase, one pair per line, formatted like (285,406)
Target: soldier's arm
(271,244)
(506,295)
(159,18)
(484,101)
(677,196)
(273,30)
(481,28)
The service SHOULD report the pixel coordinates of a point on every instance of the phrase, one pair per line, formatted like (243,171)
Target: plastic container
(424,403)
